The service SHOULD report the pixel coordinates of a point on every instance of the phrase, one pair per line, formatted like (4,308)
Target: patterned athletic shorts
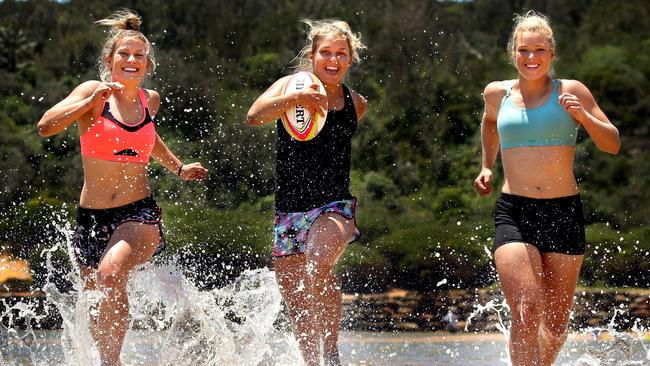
(291,229)
(96,226)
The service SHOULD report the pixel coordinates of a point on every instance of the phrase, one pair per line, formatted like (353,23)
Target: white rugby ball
(298,121)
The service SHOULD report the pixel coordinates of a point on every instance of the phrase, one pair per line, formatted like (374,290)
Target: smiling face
(533,55)
(331,59)
(129,62)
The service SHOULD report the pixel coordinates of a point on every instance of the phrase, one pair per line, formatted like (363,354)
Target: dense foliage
(414,157)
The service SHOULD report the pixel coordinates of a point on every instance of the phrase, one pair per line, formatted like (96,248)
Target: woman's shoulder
(575,87)
(152,95)
(86,88)
(496,90)
(153,100)
(499,86)
(358,99)
(360,103)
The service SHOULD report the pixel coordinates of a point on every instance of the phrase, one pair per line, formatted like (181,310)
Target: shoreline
(404,311)
(429,337)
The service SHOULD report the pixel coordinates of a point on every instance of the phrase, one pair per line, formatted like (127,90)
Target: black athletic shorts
(96,226)
(552,225)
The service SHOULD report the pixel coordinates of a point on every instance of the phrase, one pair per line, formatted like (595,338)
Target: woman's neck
(334,91)
(128,94)
(534,88)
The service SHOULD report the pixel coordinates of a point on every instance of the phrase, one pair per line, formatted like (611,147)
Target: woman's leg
(296,289)
(329,235)
(310,290)
(89,280)
(519,266)
(559,279)
(131,244)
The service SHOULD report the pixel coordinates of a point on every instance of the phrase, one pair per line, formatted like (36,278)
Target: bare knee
(321,269)
(112,276)
(555,325)
(526,311)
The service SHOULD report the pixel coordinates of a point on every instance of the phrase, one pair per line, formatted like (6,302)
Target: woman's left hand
(194,171)
(573,106)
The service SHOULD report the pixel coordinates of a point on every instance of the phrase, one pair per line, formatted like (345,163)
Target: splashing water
(172,321)
(499,308)
(617,349)
(604,346)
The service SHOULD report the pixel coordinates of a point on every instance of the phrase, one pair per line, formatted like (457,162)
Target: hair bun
(124,19)
(132,22)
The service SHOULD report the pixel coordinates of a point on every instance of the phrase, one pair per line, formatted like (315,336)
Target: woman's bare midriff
(109,184)
(539,171)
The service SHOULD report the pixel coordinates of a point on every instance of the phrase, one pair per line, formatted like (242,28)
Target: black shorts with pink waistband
(96,226)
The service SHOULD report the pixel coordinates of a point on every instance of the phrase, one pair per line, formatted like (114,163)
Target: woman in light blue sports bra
(539,226)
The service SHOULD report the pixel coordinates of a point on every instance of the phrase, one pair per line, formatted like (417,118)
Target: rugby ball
(297,120)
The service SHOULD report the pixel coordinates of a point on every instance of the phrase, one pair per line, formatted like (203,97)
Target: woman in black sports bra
(314,218)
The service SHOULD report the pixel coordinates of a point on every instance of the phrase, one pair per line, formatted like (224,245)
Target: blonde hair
(530,22)
(124,23)
(319,29)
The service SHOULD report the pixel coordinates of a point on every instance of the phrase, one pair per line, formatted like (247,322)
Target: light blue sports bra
(547,125)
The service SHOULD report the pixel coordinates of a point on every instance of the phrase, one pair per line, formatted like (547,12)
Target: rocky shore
(402,310)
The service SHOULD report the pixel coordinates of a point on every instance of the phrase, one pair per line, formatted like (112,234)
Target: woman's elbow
(613,147)
(252,119)
(616,148)
(44,129)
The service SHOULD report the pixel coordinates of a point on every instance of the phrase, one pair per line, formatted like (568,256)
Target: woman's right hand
(82,99)
(483,183)
(273,102)
(104,90)
(312,99)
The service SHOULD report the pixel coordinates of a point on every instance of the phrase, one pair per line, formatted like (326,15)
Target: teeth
(130,69)
(332,68)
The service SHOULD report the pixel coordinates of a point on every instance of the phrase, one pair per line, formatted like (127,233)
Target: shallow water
(175,323)
(357,349)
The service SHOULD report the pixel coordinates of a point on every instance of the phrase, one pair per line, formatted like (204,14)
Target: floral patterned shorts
(291,229)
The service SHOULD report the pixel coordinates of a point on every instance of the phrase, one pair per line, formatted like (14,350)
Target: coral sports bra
(110,139)
(547,125)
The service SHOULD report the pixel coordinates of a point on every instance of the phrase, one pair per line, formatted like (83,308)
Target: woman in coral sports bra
(118,221)
(539,226)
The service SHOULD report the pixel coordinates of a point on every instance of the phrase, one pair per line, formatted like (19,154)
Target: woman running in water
(540,238)
(314,219)
(118,221)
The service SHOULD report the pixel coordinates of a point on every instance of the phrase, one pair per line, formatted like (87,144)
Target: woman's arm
(82,100)
(492,96)
(271,104)
(581,105)
(166,158)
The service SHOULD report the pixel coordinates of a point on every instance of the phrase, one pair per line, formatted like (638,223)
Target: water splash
(499,309)
(175,323)
(614,348)
(172,321)
(603,346)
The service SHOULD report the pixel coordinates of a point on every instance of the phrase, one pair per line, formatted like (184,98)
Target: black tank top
(314,173)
